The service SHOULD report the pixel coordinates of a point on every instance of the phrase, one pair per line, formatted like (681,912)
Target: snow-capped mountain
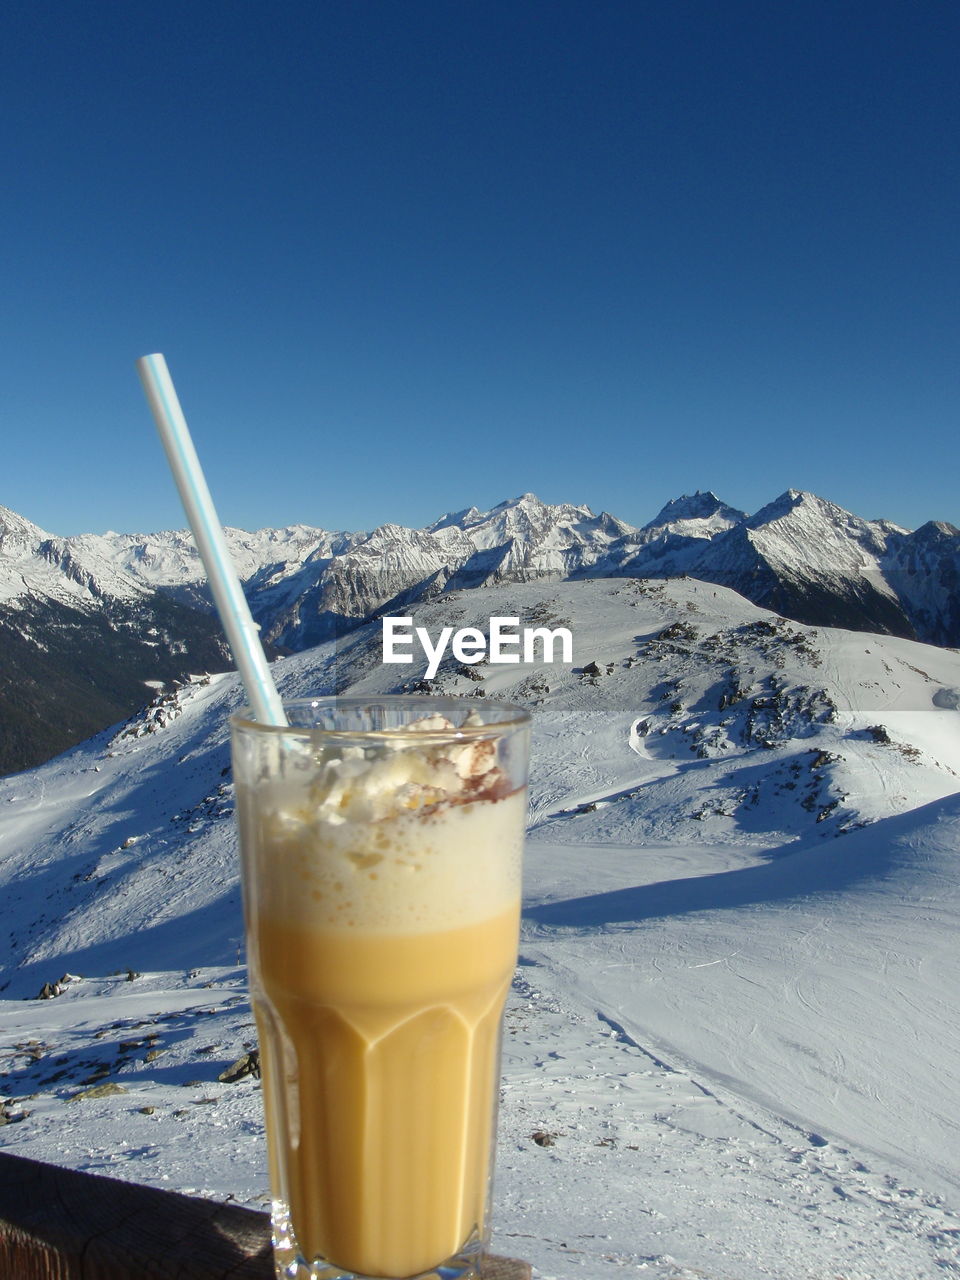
(923,570)
(87,622)
(800,555)
(393,566)
(730,1047)
(81,641)
(698,515)
(809,560)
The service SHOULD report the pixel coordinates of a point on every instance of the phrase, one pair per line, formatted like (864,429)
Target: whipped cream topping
(388,836)
(361,784)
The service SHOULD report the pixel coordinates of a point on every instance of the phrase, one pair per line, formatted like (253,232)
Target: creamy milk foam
(382,892)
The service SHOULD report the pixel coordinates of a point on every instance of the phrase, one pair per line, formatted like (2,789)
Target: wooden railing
(58,1224)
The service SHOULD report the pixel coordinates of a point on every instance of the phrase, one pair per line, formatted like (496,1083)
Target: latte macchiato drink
(382,898)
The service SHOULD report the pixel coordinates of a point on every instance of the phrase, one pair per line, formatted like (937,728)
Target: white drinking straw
(242,632)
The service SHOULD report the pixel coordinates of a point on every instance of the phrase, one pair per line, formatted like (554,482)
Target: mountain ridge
(799,555)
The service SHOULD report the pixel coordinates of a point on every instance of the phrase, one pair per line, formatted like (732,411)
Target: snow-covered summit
(394,565)
(528,517)
(700,512)
(808,537)
(808,514)
(17,534)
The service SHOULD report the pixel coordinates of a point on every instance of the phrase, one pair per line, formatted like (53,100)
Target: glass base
(290,1264)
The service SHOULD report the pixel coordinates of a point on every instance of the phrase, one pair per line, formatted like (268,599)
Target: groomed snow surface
(732,1049)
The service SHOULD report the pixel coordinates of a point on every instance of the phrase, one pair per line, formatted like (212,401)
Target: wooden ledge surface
(59,1224)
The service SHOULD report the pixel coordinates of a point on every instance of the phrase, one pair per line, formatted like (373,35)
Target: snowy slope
(731,1047)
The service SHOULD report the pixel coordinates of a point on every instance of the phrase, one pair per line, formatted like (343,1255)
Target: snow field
(731,1049)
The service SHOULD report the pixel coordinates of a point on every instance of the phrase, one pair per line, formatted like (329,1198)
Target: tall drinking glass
(381,846)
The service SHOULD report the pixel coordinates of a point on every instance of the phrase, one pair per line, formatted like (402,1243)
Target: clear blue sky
(404,257)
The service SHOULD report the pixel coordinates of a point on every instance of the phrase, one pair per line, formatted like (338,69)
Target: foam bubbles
(415,869)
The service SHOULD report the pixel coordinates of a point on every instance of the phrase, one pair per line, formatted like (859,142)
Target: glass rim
(515,717)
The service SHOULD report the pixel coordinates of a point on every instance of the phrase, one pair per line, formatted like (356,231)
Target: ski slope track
(731,1049)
